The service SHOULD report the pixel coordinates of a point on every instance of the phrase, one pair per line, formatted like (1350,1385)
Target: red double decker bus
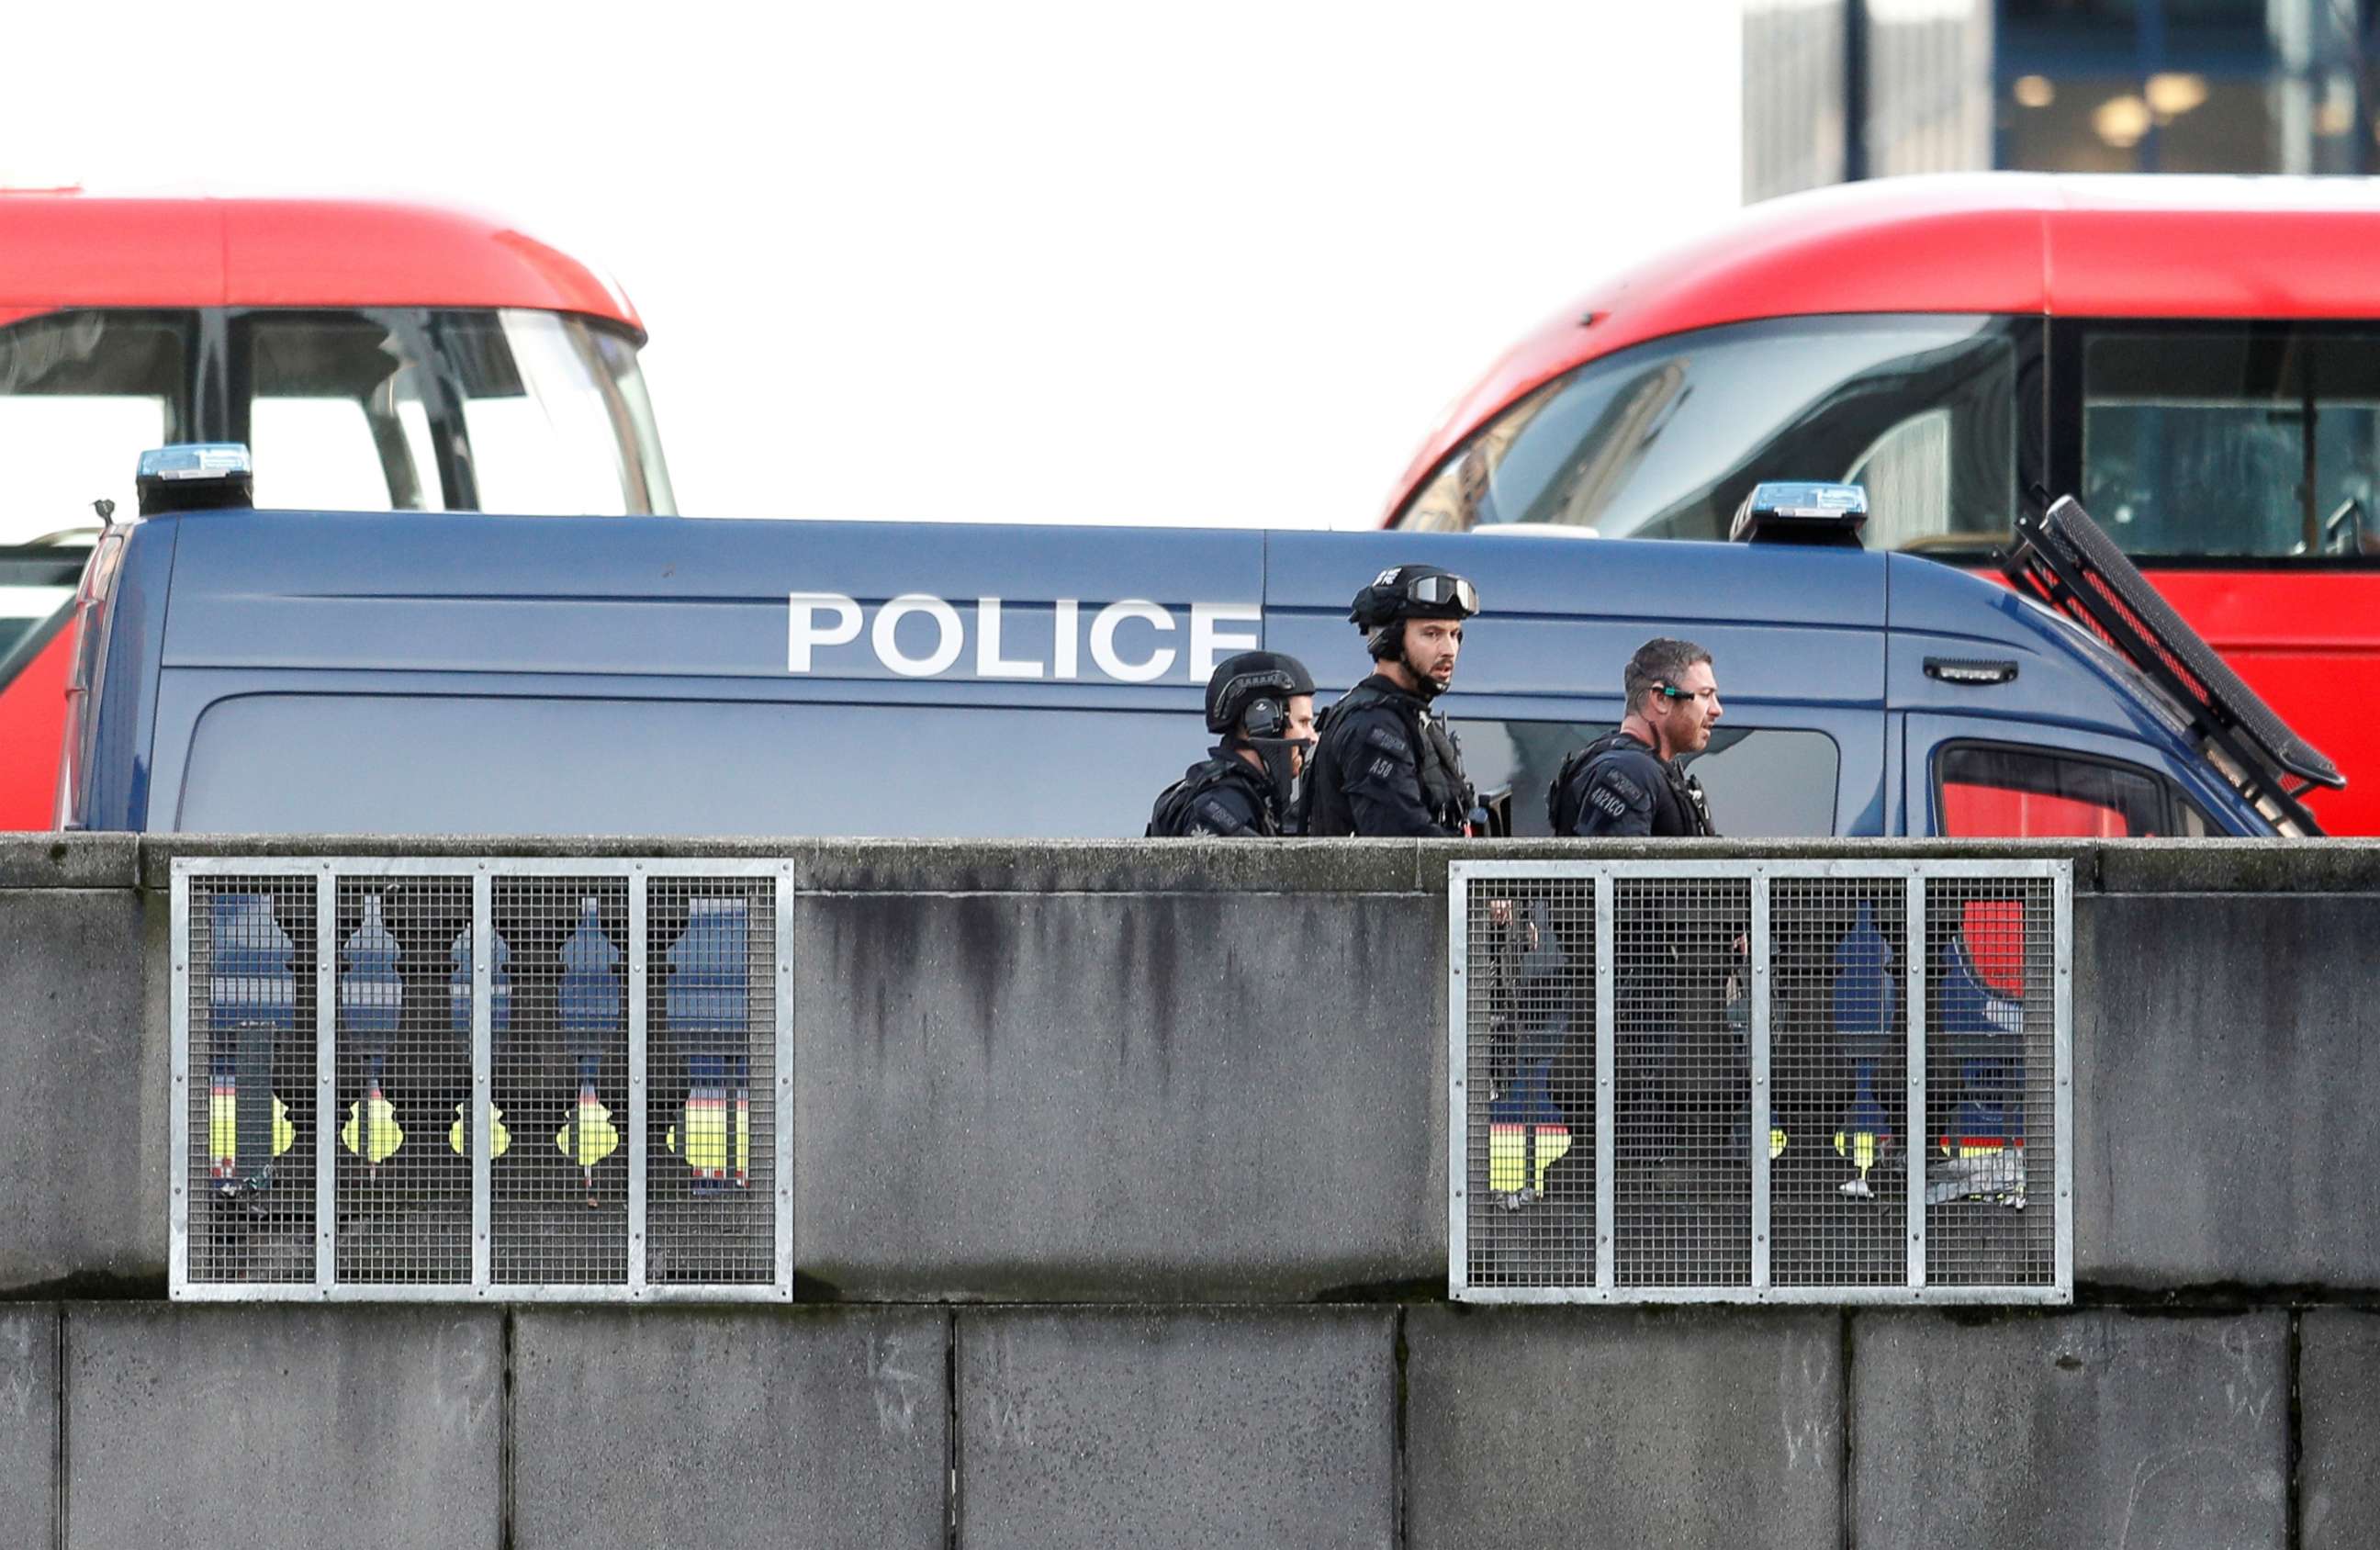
(2196,359)
(376,356)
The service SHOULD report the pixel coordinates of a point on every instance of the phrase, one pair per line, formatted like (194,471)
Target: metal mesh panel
(403,1073)
(559,1052)
(1990,1059)
(251,1096)
(1790,1080)
(401,1079)
(711,1181)
(1682,1181)
(1838,1066)
(1529,1077)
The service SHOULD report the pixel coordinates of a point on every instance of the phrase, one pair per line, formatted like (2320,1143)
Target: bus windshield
(368,409)
(1665,440)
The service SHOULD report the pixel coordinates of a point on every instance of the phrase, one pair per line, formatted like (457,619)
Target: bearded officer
(1262,703)
(1387,765)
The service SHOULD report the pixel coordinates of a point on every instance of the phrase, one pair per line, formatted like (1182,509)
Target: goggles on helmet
(1439,590)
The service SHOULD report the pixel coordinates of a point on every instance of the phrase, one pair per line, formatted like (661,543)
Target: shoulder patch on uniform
(1607,800)
(1617,778)
(1386,739)
(1217,818)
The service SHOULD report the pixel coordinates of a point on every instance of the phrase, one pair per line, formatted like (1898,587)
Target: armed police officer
(1633,781)
(1387,764)
(1262,703)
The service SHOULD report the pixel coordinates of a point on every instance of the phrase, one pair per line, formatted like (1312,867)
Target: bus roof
(2107,247)
(69,248)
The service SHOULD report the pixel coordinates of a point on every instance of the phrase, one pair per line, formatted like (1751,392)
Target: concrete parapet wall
(1058,1427)
(1125,1072)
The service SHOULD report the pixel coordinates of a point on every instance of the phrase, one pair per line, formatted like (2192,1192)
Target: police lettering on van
(1127,641)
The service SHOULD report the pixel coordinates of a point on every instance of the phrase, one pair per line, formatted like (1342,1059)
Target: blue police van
(243,671)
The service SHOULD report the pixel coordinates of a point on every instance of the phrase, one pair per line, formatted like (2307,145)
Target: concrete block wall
(1120,1220)
(1060,1425)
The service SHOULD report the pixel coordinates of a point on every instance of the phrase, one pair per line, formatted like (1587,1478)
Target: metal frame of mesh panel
(1840,1082)
(543,1080)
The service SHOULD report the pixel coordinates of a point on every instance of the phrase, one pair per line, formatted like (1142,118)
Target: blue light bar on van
(1800,513)
(194,476)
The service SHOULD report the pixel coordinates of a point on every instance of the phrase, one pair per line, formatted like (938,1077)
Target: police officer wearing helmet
(1387,765)
(1630,782)
(1262,703)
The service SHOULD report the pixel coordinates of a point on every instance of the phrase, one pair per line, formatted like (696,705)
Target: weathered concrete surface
(29,1425)
(53,860)
(2347,865)
(1591,1428)
(2053,1431)
(2338,1408)
(1195,1427)
(2227,1048)
(1054,1096)
(269,1428)
(720,1430)
(1089,865)
(82,1157)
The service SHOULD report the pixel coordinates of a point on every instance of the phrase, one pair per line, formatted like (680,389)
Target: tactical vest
(1437,764)
(1171,818)
(1561,796)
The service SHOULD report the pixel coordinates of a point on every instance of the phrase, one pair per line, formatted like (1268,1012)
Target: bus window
(1763,782)
(415,409)
(336,415)
(83,395)
(1664,440)
(2242,441)
(1986,792)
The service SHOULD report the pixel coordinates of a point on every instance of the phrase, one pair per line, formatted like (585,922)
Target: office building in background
(1840,89)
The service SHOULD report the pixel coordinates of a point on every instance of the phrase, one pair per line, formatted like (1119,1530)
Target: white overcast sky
(1047,261)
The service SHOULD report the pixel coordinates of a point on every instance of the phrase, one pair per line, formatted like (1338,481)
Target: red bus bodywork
(67,250)
(2307,638)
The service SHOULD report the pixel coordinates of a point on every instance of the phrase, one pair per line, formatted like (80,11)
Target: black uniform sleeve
(1616,798)
(1382,778)
(1223,810)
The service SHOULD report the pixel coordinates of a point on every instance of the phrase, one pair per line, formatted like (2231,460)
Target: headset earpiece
(1263,717)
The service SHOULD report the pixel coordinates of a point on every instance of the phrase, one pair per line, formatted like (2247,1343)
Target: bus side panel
(32,722)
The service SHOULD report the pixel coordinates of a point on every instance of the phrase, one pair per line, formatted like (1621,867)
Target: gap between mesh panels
(1812,1163)
(325,1039)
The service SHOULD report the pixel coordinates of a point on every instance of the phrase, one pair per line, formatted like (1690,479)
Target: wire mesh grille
(710,1000)
(251,995)
(1681,1178)
(1737,1046)
(559,1170)
(1838,1063)
(1530,1083)
(329,1028)
(404,1076)
(1990,1033)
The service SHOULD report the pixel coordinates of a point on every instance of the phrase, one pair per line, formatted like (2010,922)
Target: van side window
(1989,791)
(1764,782)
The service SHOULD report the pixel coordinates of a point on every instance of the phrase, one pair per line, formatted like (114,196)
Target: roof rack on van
(2066,559)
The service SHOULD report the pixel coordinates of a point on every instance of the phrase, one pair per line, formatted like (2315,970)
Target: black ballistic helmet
(1255,689)
(1409,592)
